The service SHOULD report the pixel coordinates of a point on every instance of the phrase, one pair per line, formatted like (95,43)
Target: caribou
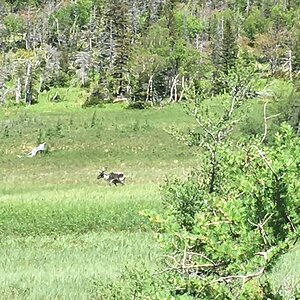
(112,177)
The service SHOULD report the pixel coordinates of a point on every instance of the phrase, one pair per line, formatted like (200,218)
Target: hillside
(197,102)
(150,51)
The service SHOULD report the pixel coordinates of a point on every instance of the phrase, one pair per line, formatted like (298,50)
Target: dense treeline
(143,50)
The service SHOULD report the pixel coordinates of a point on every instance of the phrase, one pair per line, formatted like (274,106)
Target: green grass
(76,210)
(286,274)
(66,266)
(61,229)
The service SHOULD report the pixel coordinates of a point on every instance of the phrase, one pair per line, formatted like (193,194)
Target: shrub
(283,107)
(136,282)
(58,79)
(219,242)
(96,98)
(137,105)
(227,224)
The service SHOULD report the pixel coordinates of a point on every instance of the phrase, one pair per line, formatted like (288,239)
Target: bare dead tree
(4,75)
(51,58)
(266,120)
(93,28)
(18,90)
(84,62)
(28,84)
(173,90)
(3,92)
(150,90)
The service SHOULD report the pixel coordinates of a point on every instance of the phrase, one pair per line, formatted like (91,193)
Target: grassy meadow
(61,229)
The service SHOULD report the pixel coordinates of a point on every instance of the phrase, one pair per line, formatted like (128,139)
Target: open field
(67,265)
(61,229)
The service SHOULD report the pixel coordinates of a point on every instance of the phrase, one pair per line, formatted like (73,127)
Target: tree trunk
(18,90)
(28,85)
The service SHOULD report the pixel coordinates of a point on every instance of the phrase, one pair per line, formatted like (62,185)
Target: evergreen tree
(224,55)
(120,23)
(229,48)
(115,46)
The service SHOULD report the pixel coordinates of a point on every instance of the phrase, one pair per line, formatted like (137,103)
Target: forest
(197,102)
(146,51)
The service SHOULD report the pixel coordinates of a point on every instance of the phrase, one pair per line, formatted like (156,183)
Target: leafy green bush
(59,79)
(141,286)
(283,106)
(220,242)
(96,98)
(137,105)
(226,225)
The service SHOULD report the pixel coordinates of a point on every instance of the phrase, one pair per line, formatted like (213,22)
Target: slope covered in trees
(143,50)
(230,220)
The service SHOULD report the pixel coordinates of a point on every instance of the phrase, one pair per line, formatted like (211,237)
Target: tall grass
(286,274)
(76,210)
(61,230)
(66,266)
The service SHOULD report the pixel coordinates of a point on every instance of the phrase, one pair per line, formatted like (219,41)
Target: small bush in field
(136,282)
(96,98)
(138,105)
